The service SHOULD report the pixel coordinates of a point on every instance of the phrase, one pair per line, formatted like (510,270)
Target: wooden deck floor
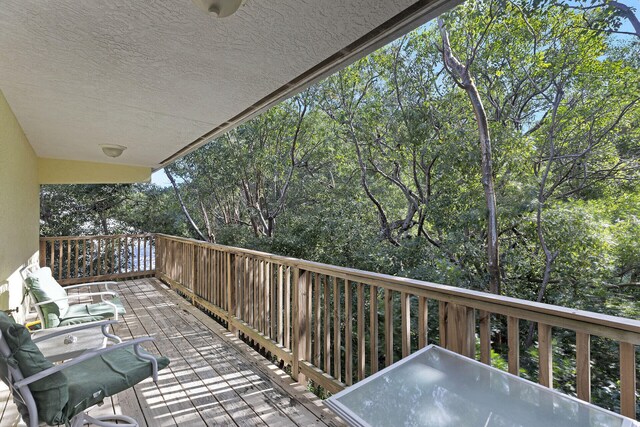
(213,378)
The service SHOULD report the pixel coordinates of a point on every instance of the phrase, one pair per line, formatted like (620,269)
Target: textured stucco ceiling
(156,75)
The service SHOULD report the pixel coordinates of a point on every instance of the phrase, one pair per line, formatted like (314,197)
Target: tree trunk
(184,207)
(462,76)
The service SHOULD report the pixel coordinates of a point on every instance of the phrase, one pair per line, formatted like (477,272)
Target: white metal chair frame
(24,272)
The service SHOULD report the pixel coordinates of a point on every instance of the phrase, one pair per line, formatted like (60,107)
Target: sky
(160,178)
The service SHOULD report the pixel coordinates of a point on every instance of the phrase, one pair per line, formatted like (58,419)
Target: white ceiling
(157,75)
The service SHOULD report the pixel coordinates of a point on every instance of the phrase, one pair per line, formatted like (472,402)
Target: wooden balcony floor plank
(213,379)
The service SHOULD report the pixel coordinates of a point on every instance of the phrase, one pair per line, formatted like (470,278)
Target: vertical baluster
(287,308)
(405,313)
(280,310)
(317,324)
(361,341)
(301,322)
(267,300)
(423,318)
(138,261)
(309,308)
(388,327)
(373,328)
(513,337)
(583,366)
(327,326)
(348,333)
(68,258)
(337,356)
(273,273)
(628,380)
(119,270)
(485,336)
(42,253)
(545,352)
(442,317)
(60,265)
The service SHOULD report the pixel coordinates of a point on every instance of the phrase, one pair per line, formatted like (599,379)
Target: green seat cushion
(99,377)
(83,313)
(43,287)
(50,393)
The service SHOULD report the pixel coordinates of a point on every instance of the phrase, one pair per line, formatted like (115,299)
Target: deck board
(213,379)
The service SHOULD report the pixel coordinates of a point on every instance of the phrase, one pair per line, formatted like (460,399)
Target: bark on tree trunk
(462,76)
(184,207)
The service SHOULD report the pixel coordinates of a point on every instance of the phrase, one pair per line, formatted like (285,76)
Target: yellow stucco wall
(55,171)
(19,207)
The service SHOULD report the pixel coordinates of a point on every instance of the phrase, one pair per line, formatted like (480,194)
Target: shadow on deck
(213,379)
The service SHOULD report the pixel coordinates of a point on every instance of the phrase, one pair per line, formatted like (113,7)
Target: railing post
(232,304)
(300,323)
(159,256)
(461,330)
(43,252)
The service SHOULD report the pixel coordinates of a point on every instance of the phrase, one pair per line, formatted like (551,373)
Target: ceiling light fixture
(222,8)
(112,150)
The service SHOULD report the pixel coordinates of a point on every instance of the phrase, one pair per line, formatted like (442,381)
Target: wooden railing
(336,325)
(77,259)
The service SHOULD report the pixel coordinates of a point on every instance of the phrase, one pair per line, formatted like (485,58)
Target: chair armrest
(85,356)
(90,294)
(106,285)
(65,331)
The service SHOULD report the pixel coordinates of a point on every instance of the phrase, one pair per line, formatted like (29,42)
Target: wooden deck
(213,378)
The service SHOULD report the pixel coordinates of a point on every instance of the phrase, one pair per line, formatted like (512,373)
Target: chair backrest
(43,400)
(40,283)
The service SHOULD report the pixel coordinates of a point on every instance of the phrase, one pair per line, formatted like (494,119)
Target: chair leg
(103,421)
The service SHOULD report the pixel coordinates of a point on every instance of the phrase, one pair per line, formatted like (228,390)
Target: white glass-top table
(68,342)
(438,388)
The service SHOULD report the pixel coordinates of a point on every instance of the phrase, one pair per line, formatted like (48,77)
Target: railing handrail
(619,328)
(94,236)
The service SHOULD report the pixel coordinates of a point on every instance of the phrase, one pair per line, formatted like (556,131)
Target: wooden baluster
(327,326)
(405,313)
(120,255)
(138,263)
(232,270)
(628,380)
(583,366)
(60,265)
(373,328)
(42,253)
(245,289)
(361,340)
(337,356)
(280,309)
(348,333)
(388,327)
(485,336)
(68,258)
(90,256)
(300,323)
(274,297)
(545,351)
(317,342)
(308,281)
(287,308)
(442,317)
(267,301)
(513,338)
(252,305)
(423,318)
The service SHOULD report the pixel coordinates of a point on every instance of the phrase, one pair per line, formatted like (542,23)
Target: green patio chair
(61,394)
(52,305)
